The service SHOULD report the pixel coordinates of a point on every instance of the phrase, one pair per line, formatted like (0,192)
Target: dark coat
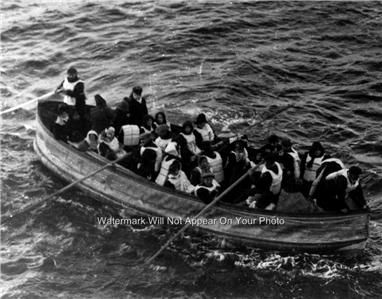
(101,118)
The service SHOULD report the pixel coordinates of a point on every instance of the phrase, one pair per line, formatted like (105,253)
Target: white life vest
(165,166)
(338,161)
(113,144)
(214,186)
(206,132)
(71,101)
(191,143)
(310,173)
(162,143)
(130,135)
(344,172)
(297,161)
(181,182)
(145,131)
(216,165)
(276,178)
(158,158)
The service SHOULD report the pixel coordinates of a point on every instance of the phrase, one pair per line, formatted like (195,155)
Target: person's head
(269,159)
(160,118)
(145,138)
(286,144)
(201,120)
(207,179)
(163,131)
(316,150)
(174,168)
(354,173)
(92,136)
(187,127)
(62,112)
(72,74)
(238,146)
(110,133)
(274,140)
(148,121)
(203,162)
(100,101)
(137,92)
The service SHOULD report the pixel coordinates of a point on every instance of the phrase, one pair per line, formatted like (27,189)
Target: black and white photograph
(190,149)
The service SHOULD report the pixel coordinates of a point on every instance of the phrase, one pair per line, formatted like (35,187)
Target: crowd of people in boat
(191,158)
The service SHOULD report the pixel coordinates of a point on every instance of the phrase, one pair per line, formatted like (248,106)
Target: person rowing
(74,93)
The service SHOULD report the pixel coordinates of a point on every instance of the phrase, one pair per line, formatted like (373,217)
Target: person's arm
(358,197)
(198,139)
(302,165)
(341,191)
(59,87)
(78,92)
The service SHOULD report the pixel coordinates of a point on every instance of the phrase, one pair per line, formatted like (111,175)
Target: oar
(38,202)
(43,97)
(203,211)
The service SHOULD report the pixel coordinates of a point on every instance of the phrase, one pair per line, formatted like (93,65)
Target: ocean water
(237,62)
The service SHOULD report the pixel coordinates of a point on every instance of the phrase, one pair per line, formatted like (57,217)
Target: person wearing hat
(204,129)
(101,116)
(207,190)
(202,167)
(342,191)
(109,146)
(150,157)
(73,90)
(164,136)
(178,180)
(290,161)
(138,107)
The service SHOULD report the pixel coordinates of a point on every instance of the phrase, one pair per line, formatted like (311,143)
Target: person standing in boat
(138,107)
(342,191)
(74,93)
(208,189)
(311,161)
(122,114)
(101,116)
(268,184)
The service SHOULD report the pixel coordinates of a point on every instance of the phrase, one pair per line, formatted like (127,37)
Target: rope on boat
(207,207)
(43,97)
(38,202)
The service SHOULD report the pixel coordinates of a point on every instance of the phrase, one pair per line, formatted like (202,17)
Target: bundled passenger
(148,125)
(160,119)
(109,146)
(267,184)
(214,159)
(290,161)
(310,163)
(101,116)
(204,129)
(189,138)
(61,128)
(237,162)
(150,157)
(171,154)
(74,94)
(202,167)
(208,189)
(342,191)
(164,136)
(90,143)
(122,114)
(178,180)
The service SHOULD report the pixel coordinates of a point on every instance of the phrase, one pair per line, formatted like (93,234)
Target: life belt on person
(181,182)
(158,158)
(191,143)
(130,135)
(335,160)
(276,178)
(296,162)
(206,132)
(71,101)
(344,172)
(214,187)
(165,166)
(310,173)
(216,165)
(162,143)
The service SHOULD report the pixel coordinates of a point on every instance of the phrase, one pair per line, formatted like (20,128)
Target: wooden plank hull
(309,232)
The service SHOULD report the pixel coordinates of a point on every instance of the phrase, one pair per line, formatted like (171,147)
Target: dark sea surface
(235,61)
